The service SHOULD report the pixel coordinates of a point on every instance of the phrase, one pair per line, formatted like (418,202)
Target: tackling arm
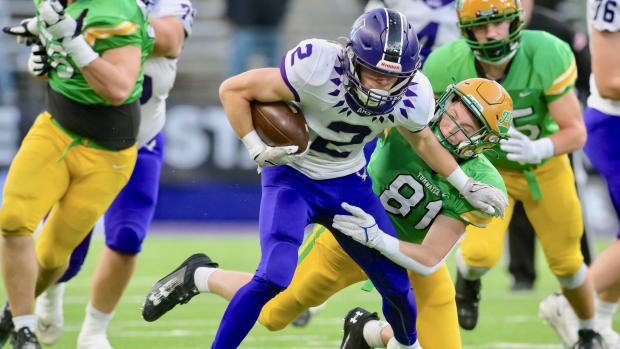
(422,259)
(427,146)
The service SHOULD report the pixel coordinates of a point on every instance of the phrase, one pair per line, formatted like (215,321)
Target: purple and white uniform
(602,116)
(130,214)
(312,188)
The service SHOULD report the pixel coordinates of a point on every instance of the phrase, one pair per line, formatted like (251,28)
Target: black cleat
(303,319)
(589,339)
(354,328)
(467,298)
(25,339)
(6,324)
(175,288)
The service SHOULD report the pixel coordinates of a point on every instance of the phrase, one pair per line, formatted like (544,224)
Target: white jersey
(433,20)
(160,72)
(313,71)
(603,15)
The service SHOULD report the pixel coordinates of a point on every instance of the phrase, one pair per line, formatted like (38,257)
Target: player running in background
(538,70)
(429,205)
(128,218)
(602,119)
(79,153)
(348,95)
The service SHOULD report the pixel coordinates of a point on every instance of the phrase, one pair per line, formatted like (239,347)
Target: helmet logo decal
(389,66)
(504,121)
(359,24)
(394,40)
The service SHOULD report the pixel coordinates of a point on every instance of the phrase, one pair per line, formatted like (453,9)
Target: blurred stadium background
(210,194)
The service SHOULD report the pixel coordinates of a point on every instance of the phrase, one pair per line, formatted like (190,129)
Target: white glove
(67,30)
(265,155)
(38,61)
(482,196)
(485,197)
(27,32)
(521,148)
(361,226)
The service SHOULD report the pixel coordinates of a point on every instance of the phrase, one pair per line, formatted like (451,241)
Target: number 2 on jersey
(301,55)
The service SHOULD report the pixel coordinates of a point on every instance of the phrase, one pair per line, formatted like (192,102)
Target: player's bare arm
(605,63)
(236,93)
(169,36)
(566,112)
(114,75)
(426,145)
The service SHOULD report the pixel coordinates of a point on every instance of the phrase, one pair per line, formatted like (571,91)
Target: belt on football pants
(76,140)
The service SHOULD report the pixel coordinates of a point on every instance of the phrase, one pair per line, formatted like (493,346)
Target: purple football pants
(129,216)
(290,201)
(603,149)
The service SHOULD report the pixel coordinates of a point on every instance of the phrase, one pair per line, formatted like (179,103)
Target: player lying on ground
(428,213)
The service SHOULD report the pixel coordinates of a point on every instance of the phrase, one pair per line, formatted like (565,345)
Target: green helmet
(488,102)
(473,13)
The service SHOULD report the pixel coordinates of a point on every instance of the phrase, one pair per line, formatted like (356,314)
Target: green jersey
(109,24)
(413,194)
(542,70)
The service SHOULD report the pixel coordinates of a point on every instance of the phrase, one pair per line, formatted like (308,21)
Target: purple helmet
(381,40)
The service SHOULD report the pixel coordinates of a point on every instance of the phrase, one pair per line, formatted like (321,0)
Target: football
(280,124)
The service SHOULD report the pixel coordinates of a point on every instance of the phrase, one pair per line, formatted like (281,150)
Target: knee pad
(126,239)
(576,280)
(12,220)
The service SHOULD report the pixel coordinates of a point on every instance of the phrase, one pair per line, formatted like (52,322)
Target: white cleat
(611,338)
(557,312)
(49,319)
(93,341)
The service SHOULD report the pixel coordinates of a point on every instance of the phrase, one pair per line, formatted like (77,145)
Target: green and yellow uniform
(79,153)
(542,70)
(413,195)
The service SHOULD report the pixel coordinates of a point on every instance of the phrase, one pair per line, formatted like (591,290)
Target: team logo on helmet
(503,123)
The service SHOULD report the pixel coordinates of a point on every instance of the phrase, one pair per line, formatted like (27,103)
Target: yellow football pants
(77,189)
(556,218)
(326,269)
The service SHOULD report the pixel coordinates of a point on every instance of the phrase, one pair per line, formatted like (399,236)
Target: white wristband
(545,147)
(80,51)
(458,178)
(253,144)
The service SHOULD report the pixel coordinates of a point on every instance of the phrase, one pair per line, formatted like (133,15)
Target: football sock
(96,321)
(604,313)
(242,312)
(587,324)
(372,333)
(24,321)
(393,344)
(52,296)
(201,278)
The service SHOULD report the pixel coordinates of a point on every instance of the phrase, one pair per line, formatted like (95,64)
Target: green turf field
(507,320)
